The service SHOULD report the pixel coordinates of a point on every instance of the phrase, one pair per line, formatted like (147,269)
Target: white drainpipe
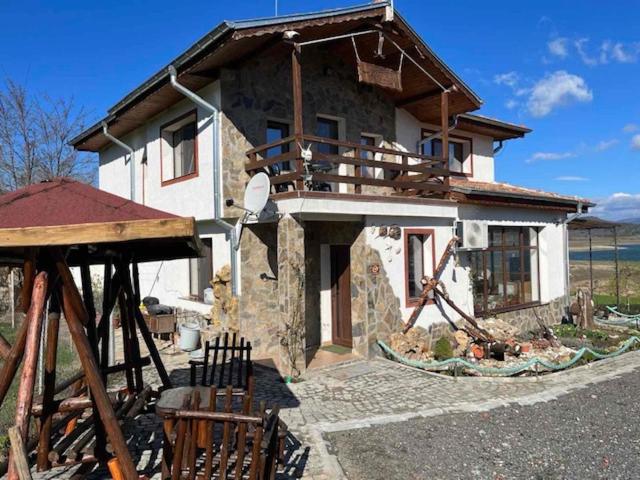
(132,163)
(217,193)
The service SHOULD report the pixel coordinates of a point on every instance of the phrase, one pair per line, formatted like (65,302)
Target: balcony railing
(346,167)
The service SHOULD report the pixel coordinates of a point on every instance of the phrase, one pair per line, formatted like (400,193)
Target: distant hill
(631,220)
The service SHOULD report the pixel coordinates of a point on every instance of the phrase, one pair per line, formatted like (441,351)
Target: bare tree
(34,139)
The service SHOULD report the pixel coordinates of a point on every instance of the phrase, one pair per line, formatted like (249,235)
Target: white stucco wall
(409,133)
(191,197)
(456,273)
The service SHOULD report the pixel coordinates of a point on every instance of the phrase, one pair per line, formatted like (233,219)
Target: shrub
(442,349)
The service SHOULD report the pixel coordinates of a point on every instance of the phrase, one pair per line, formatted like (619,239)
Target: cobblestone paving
(359,394)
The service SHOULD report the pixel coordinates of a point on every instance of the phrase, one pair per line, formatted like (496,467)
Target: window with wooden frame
(505,276)
(328,128)
(179,148)
(460,152)
(201,271)
(420,255)
(277,130)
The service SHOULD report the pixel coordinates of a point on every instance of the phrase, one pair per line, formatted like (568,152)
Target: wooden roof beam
(419,97)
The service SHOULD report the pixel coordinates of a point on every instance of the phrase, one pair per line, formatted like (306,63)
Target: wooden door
(341,295)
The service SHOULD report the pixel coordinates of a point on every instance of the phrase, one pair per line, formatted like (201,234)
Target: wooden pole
(10,366)
(128,354)
(51,355)
(5,348)
(107,306)
(91,369)
(615,243)
(12,298)
(296,77)
(19,455)
(444,120)
(34,320)
(28,274)
(590,263)
(146,334)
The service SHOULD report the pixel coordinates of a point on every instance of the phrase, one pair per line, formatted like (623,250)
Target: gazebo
(45,229)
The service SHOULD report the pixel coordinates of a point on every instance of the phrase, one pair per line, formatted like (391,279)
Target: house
(398,165)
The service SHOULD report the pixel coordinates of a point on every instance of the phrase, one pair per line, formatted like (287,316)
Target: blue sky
(571,73)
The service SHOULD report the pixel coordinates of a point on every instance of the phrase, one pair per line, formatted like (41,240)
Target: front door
(341,295)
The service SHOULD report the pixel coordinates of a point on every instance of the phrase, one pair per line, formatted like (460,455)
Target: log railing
(335,163)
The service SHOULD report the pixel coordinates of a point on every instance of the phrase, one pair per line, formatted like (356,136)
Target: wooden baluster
(214,365)
(176,467)
(249,372)
(193,445)
(205,363)
(242,438)
(255,452)
(357,171)
(233,355)
(241,361)
(224,359)
(209,453)
(226,435)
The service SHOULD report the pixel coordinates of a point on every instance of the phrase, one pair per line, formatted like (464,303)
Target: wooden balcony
(345,167)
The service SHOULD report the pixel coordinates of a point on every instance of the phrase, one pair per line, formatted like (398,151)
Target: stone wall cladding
(259,309)
(525,319)
(375,309)
(260,89)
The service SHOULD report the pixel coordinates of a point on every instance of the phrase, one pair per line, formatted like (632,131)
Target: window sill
(414,302)
(183,178)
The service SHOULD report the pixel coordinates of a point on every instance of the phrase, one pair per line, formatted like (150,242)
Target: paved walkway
(359,394)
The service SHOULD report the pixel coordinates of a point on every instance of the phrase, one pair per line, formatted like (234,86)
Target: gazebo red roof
(64,201)
(67,213)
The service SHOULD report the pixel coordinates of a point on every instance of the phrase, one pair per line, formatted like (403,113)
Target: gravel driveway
(592,433)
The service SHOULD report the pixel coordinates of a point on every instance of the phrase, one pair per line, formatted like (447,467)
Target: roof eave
(539,198)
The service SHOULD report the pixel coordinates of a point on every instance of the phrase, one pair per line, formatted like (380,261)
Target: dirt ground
(603,277)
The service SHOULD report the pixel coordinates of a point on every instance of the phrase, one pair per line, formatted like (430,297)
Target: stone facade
(260,90)
(525,319)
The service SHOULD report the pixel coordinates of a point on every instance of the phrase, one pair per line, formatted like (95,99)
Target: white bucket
(189,336)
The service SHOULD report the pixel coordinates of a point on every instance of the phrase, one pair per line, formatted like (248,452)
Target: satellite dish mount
(256,196)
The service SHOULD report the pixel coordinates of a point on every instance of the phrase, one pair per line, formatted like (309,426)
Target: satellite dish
(256,194)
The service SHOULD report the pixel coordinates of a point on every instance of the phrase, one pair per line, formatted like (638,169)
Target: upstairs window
(460,153)
(179,149)
(277,131)
(328,128)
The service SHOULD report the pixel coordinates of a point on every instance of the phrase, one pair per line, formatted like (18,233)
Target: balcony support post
(296,77)
(444,118)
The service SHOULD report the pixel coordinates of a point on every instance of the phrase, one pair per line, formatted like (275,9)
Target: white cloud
(607,52)
(618,206)
(557,89)
(606,145)
(635,142)
(569,178)
(509,79)
(511,104)
(546,156)
(630,128)
(559,47)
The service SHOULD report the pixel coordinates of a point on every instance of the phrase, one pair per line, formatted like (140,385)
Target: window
(201,271)
(460,152)
(370,140)
(179,148)
(419,249)
(505,275)
(277,131)
(328,128)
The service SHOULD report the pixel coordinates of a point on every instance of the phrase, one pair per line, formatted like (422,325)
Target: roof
(66,212)
(498,129)
(233,41)
(592,223)
(474,191)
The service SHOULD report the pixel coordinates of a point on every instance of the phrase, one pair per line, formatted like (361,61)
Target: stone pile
(414,345)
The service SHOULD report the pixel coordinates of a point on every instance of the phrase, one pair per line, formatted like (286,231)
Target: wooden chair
(230,363)
(222,444)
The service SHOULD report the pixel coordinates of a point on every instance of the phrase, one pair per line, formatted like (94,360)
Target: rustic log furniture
(46,228)
(230,363)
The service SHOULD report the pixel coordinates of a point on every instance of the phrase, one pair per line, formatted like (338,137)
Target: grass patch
(67,364)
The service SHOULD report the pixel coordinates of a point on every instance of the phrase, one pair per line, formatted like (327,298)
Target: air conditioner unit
(472,234)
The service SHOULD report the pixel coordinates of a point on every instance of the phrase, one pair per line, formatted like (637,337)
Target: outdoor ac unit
(472,234)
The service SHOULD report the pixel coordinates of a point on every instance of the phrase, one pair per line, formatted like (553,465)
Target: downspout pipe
(132,162)
(437,134)
(217,193)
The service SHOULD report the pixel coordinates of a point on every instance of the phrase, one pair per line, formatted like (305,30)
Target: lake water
(626,253)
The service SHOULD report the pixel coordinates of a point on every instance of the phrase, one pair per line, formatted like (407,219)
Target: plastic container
(208,296)
(189,337)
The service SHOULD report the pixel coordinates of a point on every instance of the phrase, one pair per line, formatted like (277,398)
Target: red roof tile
(63,201)
(465,185)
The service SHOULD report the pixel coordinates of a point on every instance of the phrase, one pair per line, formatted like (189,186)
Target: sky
(570,70)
